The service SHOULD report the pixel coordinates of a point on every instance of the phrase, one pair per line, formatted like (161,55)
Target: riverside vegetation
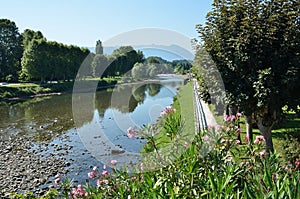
(212,165)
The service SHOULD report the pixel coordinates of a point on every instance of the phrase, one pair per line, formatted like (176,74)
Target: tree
(10,50)
(47,60)
(99,65)
(255,46)
(140,71)
(28,35)
(181,66)
(122,60)
(34,61)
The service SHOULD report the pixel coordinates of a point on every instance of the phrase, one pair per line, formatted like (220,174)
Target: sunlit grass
(185,105)
(22,85)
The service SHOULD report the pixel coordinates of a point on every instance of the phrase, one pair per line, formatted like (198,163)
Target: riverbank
(23,91)
(23,168)
(50,133)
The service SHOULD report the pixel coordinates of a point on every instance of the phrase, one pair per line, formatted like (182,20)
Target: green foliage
(47,61)
(10,51)
(99,64)
(29,35)
(146,70)
(139,71)
(255,47)
(181,66)
(212,165)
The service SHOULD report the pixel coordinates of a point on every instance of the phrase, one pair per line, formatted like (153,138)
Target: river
(56,129)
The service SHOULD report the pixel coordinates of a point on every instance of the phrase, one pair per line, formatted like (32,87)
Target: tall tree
(28,35)
(99,65)
(255,46)
(35,63)
(123,59)
(46,60)
(10,50)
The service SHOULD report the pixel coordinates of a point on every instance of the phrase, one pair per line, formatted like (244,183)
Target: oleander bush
(213,165)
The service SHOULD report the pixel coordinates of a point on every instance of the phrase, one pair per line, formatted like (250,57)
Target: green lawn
(185,105)
(21,85)
(290,126)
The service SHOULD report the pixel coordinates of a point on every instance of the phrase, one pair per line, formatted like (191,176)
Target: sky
(83,22)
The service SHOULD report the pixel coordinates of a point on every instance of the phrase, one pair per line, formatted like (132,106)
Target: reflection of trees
(121,99)
(41,117)
(139,92)
(103,101)
(125,98)
(154,89)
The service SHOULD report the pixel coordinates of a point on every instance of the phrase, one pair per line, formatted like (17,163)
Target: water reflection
(104,118)
(47,117)
(125,106)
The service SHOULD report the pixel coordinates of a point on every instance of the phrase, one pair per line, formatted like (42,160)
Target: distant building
(99,47)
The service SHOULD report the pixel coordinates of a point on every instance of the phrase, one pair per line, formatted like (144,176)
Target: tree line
(153,66)
(255,47)
(30,57)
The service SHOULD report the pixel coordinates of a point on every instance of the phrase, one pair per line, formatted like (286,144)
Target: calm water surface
(51,121)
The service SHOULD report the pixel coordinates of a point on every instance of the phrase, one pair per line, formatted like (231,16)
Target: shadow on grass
(290,126)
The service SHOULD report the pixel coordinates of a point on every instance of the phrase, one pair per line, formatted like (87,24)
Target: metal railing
(200,120)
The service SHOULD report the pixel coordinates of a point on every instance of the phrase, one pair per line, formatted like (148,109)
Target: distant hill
(169,53)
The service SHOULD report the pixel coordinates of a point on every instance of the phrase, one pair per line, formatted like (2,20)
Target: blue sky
(82,22)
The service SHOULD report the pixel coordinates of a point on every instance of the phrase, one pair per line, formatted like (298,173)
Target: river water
(51,122)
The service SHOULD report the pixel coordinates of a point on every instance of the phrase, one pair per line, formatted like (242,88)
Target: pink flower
(238,142)
(205,138)
(91,175)
(79,191)
(239,114)
(99,182)
(259,138)
(262,153)
(233,118)
(131,132)
(131,135)
(167,110)
(163,113)
(104,172)
(113,162)
(227,118)
(105,181)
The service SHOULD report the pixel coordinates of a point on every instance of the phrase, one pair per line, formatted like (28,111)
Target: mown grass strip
(185,105)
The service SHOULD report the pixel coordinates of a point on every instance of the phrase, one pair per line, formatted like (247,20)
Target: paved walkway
(203,116)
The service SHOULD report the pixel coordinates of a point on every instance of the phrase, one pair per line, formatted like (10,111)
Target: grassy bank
(24,90)
(211,165)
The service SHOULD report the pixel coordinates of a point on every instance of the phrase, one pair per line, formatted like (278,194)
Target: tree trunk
(266,131)
(249,128)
